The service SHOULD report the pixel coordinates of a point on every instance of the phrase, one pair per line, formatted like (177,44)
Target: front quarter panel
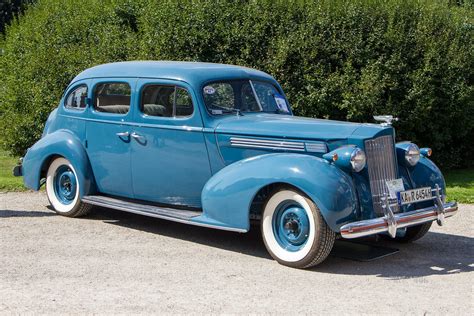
(59,143)
(227,196)
(426,173)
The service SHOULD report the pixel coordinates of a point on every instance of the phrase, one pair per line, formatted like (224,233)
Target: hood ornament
(385,119)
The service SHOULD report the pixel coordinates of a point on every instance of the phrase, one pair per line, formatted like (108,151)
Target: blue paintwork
(190,161)
(59,143)
(291,127)
(109,154)
(291,226)
(426,173)
(330,188)
(171,166)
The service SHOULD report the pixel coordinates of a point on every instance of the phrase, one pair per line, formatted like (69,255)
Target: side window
(112,97)
(157,100)
(166,101)
(76,99)
(183,103)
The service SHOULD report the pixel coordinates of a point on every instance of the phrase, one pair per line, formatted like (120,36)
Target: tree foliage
(9,9)
(339,59)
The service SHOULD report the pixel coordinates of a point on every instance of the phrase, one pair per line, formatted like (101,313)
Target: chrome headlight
(358,159)
(412,154)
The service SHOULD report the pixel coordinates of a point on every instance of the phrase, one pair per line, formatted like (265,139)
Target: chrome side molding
(316,147)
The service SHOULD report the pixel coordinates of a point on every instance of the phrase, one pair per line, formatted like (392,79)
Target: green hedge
(9,9)
(345,60)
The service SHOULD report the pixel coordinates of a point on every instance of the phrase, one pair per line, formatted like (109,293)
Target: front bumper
(391,222)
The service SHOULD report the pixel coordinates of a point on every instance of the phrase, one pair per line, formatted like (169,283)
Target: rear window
(112,97)
(76,99)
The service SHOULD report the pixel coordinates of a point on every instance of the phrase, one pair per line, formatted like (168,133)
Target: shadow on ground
(10,213)
(435,254)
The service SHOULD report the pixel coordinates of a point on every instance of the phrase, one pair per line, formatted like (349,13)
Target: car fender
(228,195)
(425,173)
(59,143)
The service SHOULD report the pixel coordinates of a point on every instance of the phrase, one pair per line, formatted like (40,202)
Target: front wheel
(294,232)
(62,189)
(411,234)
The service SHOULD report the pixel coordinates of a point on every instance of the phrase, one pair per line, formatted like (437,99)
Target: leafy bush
(10,8)
(345,60)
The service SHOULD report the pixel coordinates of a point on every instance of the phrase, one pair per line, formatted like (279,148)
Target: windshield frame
(237,111)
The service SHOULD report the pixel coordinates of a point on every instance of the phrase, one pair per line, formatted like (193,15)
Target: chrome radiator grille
(382,166)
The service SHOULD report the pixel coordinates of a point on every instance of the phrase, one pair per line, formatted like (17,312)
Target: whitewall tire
(293,230)
(63,187)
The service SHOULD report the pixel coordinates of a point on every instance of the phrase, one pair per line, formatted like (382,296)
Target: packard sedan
(218,146)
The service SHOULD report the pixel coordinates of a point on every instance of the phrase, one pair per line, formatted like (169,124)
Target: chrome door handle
(137,136)
(123,134)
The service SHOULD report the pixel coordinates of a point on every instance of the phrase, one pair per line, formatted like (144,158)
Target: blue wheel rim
(65,184)
(291,226)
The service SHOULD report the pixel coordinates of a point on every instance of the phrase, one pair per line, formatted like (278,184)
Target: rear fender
(59,143)
(228,195)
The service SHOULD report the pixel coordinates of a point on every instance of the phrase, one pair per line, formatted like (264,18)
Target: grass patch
(7,181)
(459,183)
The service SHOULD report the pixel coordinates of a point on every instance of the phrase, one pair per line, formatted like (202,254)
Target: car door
(169,158)
(108,135)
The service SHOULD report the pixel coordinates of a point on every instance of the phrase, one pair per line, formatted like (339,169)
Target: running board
(138,208)
(172,214)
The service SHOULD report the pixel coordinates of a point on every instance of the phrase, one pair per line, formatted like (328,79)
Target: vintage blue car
(218,146)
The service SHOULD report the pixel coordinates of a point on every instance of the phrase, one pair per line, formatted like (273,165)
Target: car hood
(294,127)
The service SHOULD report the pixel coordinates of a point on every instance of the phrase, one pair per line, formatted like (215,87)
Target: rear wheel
(294,232)
(62,189)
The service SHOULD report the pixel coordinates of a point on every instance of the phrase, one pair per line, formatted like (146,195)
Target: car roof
(191,72)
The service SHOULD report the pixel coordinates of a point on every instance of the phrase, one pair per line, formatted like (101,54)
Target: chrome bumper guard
(391,222)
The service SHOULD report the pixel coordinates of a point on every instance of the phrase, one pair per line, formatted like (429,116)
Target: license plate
(413,196)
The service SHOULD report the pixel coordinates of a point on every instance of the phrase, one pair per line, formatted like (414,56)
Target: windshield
(243,96)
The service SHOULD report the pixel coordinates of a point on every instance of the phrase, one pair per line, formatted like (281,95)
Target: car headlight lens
(358,159)
(412,154)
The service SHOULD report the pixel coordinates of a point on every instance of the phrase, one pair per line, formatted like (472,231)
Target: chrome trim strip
(267,141)
(319,147)
(174,219)
(266,144)
(266,147)
(402,220)
(282,145)
(161,126)
(316,147)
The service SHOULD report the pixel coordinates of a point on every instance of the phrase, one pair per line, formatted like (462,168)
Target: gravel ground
(114,262)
